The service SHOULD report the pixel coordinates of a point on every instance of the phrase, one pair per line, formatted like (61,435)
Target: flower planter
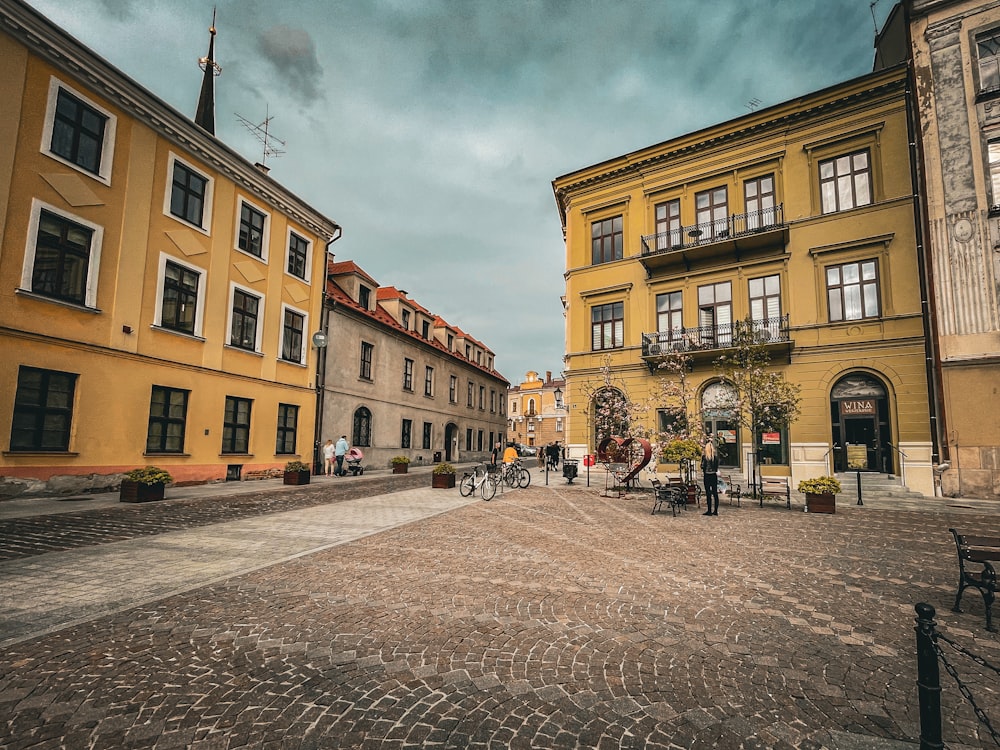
(442,481)
(400,468)
(296,477)
(825,503)
(136,492)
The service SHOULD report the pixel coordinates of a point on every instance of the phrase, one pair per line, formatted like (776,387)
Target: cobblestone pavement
(551,617)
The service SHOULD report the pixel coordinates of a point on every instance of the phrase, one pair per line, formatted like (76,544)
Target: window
(406,435)
(428,381)
(453,389)
(292,332)
(167,418)
(607,325)
(712,212)
(479,440)
(367,352)
(361,434)
(852,291)
(759,195)
(468,351)
(669,321)
(765,299)
(845,182)
(493,401)
(288,425)
(668,225)
(993,150)
(468,439)
(671,423)
(236,425)
(407,374)
(451,342)
(773,446)
(988,50)
(78,132)
(427,435)
(470,403)
(43,410)
(298,256)
(425,329)
(482,397)
(243,326)
(252,234)
(364,296)
(190,194)
(180,297)
(406,319)
(715,314)
(63,263)
(606,240)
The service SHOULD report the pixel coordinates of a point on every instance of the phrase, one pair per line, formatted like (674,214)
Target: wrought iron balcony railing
(704,338)
(732,227)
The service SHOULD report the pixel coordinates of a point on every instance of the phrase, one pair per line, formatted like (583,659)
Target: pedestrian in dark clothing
(710,473)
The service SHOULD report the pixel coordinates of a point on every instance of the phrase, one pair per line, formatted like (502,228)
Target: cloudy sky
(431,130)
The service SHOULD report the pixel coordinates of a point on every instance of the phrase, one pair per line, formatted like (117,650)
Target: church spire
(205,116)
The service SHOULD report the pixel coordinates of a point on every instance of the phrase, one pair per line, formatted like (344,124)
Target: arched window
(362,433)
(718,411)
(610,409)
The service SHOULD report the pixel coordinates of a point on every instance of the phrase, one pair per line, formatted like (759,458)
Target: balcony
(706,343)
(757,232)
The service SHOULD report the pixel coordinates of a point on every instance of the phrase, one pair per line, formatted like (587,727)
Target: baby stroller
(353,458)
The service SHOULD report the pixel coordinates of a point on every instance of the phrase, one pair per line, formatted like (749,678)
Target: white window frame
(206,214)
(259,332)
(309,254)
(199,313)
(265,239)
(31,245)
(110,128)
(281,334)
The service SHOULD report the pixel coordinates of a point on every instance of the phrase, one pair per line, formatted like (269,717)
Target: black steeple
(205,116)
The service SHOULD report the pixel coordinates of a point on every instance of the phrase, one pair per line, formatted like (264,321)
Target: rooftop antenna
(752,104)
(262,133)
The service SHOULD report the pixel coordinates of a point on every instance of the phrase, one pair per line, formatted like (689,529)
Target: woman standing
(328,457)
(710,472)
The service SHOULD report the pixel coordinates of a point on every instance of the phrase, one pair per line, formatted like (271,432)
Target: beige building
(399,380)
(157,290)
(955,48)
(798,220)
(536,413)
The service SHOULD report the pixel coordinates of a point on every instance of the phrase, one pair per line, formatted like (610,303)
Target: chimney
(548,376)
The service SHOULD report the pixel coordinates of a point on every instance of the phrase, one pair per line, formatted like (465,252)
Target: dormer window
(425,329)
(364,296)
(406,319)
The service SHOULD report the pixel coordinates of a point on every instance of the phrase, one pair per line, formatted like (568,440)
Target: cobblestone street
(551,617)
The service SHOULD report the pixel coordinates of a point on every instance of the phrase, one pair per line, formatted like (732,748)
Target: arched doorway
(859,418)
(450,441)
(610,410)
(721,422)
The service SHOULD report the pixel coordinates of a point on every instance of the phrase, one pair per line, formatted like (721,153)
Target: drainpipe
(321,339)
(932,358)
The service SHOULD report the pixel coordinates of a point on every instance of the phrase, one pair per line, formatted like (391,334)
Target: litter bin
(437,457)
(569,469)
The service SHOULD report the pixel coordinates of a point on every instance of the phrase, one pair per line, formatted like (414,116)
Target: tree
(671,408)
(761,399)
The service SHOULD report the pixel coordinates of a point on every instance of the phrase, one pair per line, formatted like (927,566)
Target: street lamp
(558,396)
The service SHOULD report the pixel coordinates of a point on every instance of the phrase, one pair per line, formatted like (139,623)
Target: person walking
(710,473)
(339,451)
(541,455)
(328,457)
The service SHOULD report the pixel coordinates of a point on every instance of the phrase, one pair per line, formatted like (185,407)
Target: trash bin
(570,469)
(437,457)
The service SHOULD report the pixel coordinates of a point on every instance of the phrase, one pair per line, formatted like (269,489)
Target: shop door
(861,443)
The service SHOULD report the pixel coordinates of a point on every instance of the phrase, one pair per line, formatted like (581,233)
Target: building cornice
(70,56)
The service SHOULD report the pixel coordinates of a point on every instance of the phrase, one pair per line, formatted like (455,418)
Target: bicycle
(515,475)
(482,479)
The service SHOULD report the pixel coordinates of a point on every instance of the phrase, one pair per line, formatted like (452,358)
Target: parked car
(525,450)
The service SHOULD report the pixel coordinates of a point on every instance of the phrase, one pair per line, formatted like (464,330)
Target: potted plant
(684,452)
(143,485)
(821,494)
(443,476)
(296,472)
(400,464)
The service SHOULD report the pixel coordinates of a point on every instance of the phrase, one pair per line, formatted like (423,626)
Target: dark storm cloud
(292,53)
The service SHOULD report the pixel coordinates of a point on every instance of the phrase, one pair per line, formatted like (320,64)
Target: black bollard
(859,489)
(928,680)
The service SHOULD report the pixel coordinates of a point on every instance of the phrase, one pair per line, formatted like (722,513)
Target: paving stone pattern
(551,617)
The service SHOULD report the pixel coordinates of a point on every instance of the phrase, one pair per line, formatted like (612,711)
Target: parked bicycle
(515,475)
(483,479)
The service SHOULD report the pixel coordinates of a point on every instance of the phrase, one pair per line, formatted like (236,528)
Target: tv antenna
(273,146)
(752,104)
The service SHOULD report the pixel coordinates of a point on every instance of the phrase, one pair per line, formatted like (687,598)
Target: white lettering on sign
(864,406)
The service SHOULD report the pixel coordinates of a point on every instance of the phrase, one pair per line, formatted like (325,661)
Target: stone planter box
(442,481)
(826,503)
(136,492)
(296,477)
(400,468)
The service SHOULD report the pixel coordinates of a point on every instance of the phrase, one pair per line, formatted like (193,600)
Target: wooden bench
(778,487)
(674,495)
(979,550)
(733,488)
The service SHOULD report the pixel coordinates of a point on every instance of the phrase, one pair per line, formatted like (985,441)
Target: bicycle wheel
(523,478)
(489,487)
(510,476)
(468,485)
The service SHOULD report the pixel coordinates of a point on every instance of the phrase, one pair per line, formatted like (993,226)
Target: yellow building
(798,218)
(536,412)
(157,290)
